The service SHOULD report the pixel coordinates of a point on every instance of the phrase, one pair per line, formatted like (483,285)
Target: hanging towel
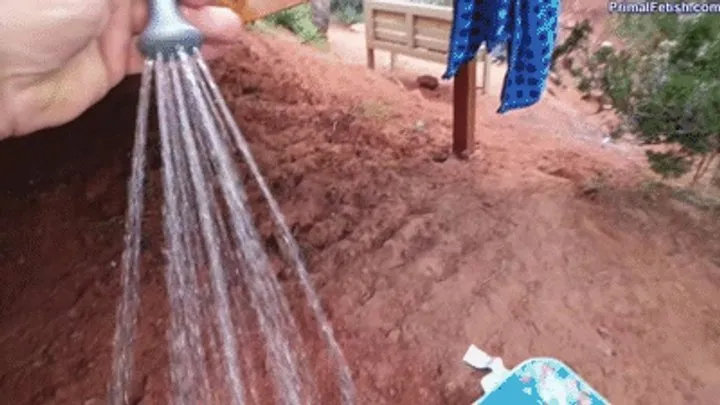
(528,27)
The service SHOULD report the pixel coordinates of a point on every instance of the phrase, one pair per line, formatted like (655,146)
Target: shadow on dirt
(57,155)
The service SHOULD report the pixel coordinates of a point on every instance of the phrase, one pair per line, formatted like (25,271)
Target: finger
(114,41)
(136,60)
(198,3)
(139,16)
(218,24)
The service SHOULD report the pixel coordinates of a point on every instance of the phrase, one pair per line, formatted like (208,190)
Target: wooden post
(370,58)
(369,33)
(485,58)
(464,110)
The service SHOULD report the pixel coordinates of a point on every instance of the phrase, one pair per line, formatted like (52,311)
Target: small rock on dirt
(603,332)
(569,24)
(428,82)
(556,79)
(440,157)
(607,350)
(567,63)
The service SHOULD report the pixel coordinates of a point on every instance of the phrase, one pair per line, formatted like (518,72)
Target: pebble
(603,331)
(606,350)
(394,335)
(450,388)
(427,81)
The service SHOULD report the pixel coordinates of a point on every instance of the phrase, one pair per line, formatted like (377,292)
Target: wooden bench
(423,31)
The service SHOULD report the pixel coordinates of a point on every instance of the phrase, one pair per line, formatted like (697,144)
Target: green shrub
(665,84)
(347,11)
(298,20)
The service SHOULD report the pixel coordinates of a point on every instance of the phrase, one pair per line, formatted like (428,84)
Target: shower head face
(167,32)
(166,41)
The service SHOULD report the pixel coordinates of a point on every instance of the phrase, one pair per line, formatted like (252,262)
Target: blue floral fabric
(543,381)
(528,27)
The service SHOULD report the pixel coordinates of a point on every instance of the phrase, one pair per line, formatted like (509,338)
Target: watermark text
(621,7)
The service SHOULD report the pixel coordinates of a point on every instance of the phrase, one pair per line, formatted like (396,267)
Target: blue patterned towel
(528,27)
(543,380)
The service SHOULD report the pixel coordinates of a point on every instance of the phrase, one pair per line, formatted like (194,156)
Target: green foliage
(670,164)
(348,11)
(666,85)
(299,21)
(578,36)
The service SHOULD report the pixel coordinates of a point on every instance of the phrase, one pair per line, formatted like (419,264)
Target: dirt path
(348,45)
(544,244)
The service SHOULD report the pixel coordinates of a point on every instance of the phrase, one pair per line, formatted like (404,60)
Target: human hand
(57,58)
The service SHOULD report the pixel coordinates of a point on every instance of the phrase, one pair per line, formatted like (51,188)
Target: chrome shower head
(167,31)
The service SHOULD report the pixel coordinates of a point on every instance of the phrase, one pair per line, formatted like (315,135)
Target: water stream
(225,298)
(126,317)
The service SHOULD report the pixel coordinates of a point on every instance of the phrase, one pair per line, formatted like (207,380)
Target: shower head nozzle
(167,31)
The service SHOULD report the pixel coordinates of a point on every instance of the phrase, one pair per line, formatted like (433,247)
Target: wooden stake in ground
(421,31)
(464,110)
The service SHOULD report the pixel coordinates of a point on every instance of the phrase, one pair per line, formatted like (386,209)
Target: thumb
(218,24)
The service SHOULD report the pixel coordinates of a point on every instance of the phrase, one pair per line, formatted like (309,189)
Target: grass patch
(702,201)
(262,27)
(299,21)
(709,202)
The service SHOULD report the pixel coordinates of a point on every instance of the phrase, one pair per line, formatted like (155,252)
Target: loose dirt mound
(540,245)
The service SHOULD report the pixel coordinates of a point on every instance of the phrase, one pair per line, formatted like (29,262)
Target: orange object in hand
(251,10)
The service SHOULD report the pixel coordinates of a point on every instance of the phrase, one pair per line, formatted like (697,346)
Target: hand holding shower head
(167,31)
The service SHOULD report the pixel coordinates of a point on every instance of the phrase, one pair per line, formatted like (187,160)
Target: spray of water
(292,248)
(213,243)
(126,317)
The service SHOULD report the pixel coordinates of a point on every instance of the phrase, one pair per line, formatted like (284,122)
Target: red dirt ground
(543,244)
